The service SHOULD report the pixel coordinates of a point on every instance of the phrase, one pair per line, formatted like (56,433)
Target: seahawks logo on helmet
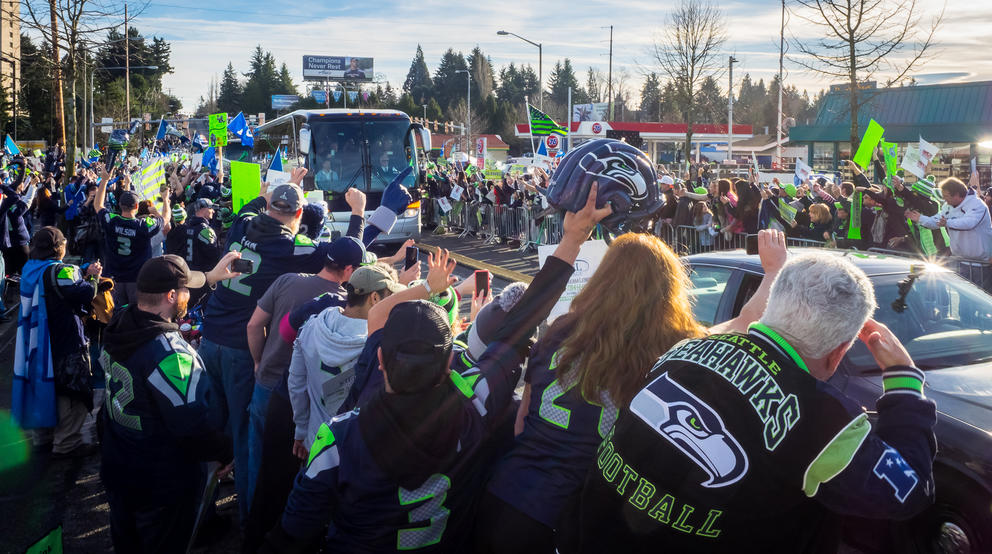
(694,428)
(615,168)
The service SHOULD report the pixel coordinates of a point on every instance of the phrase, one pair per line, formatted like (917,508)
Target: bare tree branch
(860,39)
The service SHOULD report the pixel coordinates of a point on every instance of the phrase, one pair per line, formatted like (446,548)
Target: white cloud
(202,45)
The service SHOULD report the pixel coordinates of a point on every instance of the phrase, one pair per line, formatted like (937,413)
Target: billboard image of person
(353,71)
(338,68)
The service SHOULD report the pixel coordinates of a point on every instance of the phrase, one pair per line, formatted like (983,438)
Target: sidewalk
(503,260)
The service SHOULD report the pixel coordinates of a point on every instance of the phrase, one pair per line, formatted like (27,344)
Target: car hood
(964,393)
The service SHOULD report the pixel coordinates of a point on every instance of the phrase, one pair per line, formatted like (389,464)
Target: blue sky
(206,35)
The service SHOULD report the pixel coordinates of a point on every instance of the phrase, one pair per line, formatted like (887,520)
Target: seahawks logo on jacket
(616,168)
(694,428)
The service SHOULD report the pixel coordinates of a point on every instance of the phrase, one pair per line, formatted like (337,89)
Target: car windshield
(336,157)
(945,322)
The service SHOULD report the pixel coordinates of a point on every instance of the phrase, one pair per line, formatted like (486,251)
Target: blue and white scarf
(33,404)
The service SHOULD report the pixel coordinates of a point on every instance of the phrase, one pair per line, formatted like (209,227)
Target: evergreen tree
(34,101)
(286,85)
(434,111)
(594,85)
(418,81)
(562,78)
(450,86)
(262,82)
(651,98)
(483,77)
(710,104)
(229,97)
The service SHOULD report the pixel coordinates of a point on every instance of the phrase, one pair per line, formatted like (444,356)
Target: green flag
(541,123)
(868,143)
(854,221)
(891,164)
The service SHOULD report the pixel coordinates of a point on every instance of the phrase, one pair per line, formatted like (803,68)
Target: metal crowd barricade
(975,271)
(804,243)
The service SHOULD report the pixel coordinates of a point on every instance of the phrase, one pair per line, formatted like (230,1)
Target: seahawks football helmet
(626,177)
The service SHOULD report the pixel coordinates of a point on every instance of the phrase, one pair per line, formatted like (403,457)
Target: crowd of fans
(360,412)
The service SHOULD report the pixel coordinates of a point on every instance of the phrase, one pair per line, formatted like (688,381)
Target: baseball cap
(45,242)
(287,199)
(790,189)
(165,273)
(700,190)
(346,251)
(667,180)
(129,199)
(416,343)
(373,278)
(200,204)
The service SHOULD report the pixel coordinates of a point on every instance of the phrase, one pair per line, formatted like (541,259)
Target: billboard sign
(337,68)
(283,101)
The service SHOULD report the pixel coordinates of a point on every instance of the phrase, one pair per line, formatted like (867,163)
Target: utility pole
(127,67)
(57,78)
(730,112)
(778,125)
(609,78)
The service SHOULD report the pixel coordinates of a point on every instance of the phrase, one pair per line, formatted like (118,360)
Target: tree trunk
(853,77)
(688,131)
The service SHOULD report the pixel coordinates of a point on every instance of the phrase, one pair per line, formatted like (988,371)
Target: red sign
(552,142)
(597,128)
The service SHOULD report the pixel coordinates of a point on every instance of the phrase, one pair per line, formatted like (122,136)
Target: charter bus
(344,148)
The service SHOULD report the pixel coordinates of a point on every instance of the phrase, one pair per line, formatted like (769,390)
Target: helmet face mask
(626,180)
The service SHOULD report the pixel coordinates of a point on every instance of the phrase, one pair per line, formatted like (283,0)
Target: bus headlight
(412,210)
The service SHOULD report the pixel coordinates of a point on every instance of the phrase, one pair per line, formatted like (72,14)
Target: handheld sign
(218,129)
(868,143)
(246,183)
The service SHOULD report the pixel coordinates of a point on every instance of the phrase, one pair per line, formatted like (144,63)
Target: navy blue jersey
(370,512)
(368,378)
(732,442)
(562,430)
(196,242)
(68,298)
(127,243)
(157,423)
(273,250)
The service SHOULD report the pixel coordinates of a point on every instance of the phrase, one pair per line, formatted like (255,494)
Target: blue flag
(240,128)
(210,159)
(276,160)
(160,135)
(10,147)
(542,149)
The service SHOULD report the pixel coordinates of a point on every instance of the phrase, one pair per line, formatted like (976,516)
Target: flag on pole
(152,179)
(10,147)
(276,164)
(240,128)
(160,135)
(541,123)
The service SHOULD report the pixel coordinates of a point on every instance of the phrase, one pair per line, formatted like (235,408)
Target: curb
(496,270)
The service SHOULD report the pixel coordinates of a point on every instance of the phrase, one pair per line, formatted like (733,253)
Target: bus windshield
(342,152)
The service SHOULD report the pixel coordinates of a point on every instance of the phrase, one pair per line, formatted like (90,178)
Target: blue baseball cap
(346,251)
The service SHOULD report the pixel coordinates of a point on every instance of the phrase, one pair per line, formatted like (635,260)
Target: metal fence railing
(531,227)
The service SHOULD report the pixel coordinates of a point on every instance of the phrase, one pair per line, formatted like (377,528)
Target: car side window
(749,285)
(708,285)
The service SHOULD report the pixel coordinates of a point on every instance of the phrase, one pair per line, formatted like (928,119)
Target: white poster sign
(456,193)
(590,255)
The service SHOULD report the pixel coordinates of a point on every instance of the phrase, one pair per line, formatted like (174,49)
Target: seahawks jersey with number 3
(128,243)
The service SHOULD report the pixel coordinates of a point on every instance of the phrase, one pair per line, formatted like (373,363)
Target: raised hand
(440,268)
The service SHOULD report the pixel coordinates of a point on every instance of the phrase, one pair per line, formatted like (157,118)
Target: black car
(945,323)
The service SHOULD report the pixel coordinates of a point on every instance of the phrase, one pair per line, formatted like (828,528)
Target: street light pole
(730,112)
(468,116)
(540,64)
(425,113)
